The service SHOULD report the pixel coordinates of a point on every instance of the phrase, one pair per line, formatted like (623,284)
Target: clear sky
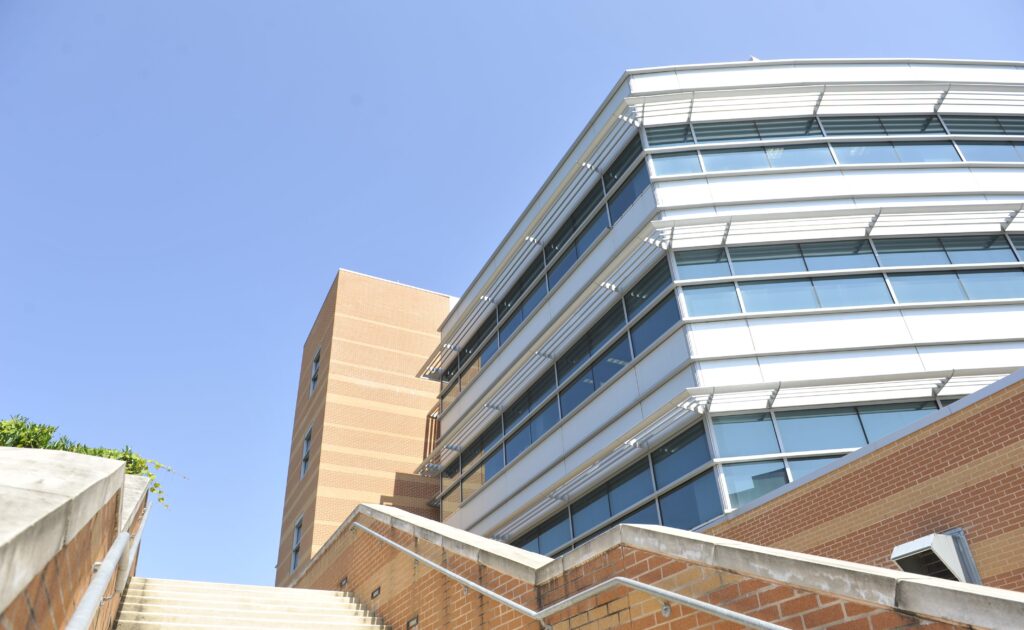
(180,180)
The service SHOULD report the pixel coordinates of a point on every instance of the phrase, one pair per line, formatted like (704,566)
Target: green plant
(19,431)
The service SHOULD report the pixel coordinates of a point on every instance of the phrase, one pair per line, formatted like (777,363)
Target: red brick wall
(409,589)
(966,470)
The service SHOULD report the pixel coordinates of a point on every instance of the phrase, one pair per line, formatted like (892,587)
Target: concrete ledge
(135,488)
(47,498)
(930,598)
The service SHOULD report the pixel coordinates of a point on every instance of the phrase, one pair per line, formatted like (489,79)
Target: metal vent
(943,555)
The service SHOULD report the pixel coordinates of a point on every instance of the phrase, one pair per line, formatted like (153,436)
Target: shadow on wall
(412,493)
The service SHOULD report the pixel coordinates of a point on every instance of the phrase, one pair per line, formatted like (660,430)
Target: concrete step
(327,599)
(136,604)
(219,587)
(168,625)
(241,620)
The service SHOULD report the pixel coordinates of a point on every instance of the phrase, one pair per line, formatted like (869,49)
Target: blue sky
(180,180)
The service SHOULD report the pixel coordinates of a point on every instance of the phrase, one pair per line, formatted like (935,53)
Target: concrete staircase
(152,604)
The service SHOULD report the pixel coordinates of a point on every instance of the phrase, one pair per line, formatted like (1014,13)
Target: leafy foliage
(19,431)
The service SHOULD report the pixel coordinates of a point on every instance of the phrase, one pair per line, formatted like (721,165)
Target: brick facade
(965,470)
(368,411)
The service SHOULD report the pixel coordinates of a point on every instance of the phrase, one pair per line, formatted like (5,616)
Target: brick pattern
(368,413)
(408,589)
(50,598)
(966,470)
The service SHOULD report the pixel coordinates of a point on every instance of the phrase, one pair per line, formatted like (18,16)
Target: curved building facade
(737,274)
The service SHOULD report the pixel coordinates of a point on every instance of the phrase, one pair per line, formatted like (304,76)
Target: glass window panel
(494,463)
(866,153)
(515,445)
(577,391)
(788,128)
(590,233)
(451,502)
(989,248)
(529,543)
(778,295)
(749,434)
(628,193)
(723,131)
(993,285)
(521,286)
(542,387)
(630,486)
(989,151)
(767,259)
(669,134)
(545,419)
(1012,124)
(573,358)
(450,474)
(533,299)
(735,159)
(692,503)
(554,534)
(560,268)
(926,287)
(489,349)
(471,482)
(647,288)
(516,412)
(655,323)
(799,155)
(1018,242)
(681,455)
(852,291)
(611,362)
(647,515)
(820,429)
(617,169)
(701,263)
(803,467)
(490,436)
(897,252)
(510,326)
(606,327)
(712,299)
(927,152)
(590,511)
(973,124)
(676,164)
(853,126)
(896,125)
(449,397)
(576,219)
(747,482)
(879,421)
(838,255)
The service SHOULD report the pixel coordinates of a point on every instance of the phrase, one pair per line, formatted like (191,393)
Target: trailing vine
(19,431)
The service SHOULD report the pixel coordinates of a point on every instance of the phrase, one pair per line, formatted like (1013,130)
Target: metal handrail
(540,615)
(114,563)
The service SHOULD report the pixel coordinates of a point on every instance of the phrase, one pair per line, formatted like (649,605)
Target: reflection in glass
(750,434)
(712,299)
(778,295)
(692,503)
(838,255)
(819,429)
(988,248)
(990,152)
(654,324)
(803,467)
(911,251)
(683,454)
(993,285)
(927,152)
(766,259)
(676,164)
(926,287)
(852,291)
(799,155)
(747,482)
(881,420)
(735,159)
(866,153)
(694,264)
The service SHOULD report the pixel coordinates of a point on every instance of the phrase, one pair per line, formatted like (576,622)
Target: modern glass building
(737,274)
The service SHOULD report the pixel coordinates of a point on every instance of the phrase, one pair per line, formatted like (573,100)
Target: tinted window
(788,128)
(630,486)
(641,294)
(989,151)
(611,362)
(631,189)
(866,153)
(647,515)
(853,126)
(852,291)
(747,482)
(911,251)
(993,285)
(692,503)
(563,265)
(803,467)
(488,350)
(712,299)
(882,420)
(554,534)
(701,263)
(978,249)
(837,255)
(820,429)
(669,134)
(926,287)
(895,125)
(680,456)
(676,164)
(494,463)
(589,511)
(603,330)
(725,131)
(767,259)
(973,124)
(544,420)
(927,152)
(750,434)
(778,295)
(590,234)
(576,219)
(654,324)
(735,159)
(618,168)
(799,155)
(577,391)
(515,445)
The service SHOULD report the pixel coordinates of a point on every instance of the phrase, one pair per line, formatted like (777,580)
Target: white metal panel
(662,361)
(777,186)
(966,323)
(978,355)
(728,372)
(840,364)
(720,339)
(817,332)
(689,192)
